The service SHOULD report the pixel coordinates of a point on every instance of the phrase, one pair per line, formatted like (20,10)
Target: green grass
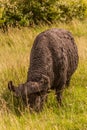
(14,61)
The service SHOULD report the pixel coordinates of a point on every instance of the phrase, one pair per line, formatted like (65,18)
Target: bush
(26,13)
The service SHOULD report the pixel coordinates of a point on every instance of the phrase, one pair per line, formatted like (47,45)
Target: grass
(14,61)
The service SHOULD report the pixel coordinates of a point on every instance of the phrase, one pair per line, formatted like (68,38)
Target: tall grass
(14,61)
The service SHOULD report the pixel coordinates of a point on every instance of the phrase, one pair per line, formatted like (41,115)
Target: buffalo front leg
(59,96)
(59,92)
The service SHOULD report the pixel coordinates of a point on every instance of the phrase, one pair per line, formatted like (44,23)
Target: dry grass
(14,60)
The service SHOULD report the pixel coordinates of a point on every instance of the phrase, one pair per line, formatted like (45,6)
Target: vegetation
(15,49)
(15,46)
(30,13)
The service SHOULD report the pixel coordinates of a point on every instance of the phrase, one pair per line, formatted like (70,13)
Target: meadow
(15,49)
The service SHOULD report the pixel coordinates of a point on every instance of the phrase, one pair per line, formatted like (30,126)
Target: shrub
(26,13)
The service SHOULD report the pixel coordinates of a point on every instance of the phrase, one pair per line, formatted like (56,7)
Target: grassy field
(14,61)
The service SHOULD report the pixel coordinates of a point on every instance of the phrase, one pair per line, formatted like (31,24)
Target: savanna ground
(15,49)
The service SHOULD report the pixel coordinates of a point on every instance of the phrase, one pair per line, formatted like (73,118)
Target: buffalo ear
(10,86)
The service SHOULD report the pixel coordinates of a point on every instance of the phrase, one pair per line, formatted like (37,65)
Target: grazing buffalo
(53,60)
